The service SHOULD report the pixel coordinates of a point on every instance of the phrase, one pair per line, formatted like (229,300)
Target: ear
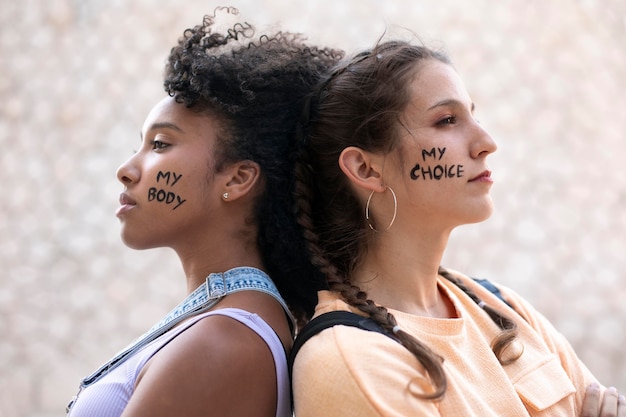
(242,178)
(362,168)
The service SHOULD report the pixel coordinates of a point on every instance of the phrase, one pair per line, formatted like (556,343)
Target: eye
(157,145)
(448,120)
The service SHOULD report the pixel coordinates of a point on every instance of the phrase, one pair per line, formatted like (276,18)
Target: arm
(217,367)
(589,394)
(554,340)
(591,399)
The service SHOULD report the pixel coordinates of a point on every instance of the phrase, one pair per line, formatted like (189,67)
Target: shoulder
(344,346)
(491,292)
(532,324)
(346,371)
(218,336)
(198,369)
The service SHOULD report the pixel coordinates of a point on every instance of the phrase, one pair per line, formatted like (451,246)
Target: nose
(128,173)
(483,144)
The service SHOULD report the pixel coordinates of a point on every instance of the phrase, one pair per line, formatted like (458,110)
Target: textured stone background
(77,77)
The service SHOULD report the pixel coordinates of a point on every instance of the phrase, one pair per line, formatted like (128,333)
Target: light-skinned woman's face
(444,180)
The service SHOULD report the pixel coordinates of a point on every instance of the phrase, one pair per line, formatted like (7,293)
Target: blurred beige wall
(77,77)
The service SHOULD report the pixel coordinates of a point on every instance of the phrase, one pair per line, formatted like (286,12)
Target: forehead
(169,114)
(166,109)
(436,82)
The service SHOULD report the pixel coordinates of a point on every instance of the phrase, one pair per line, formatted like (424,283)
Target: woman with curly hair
(393,161)
(213,180)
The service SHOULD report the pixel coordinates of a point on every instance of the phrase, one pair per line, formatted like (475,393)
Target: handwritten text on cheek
(163,196)
(436,172)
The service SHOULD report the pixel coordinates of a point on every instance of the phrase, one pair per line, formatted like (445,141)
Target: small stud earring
(225,196)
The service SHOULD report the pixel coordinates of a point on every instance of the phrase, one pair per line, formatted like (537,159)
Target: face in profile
(169,183)
(443,152)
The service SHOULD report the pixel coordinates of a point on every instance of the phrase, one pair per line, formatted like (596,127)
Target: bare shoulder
(217,365)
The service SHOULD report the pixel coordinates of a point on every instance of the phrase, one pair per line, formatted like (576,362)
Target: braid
(509,327)
(304,194)
(338,282)
(430,360)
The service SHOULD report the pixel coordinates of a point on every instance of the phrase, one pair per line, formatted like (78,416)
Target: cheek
(435,165)
(167,188)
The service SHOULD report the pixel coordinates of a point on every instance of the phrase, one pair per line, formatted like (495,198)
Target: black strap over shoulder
(346,318)
(330,319)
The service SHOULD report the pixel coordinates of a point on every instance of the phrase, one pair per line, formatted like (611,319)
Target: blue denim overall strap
(206,296)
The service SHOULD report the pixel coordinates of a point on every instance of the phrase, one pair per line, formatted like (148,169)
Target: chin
(131,244)
(134,243)
(486,213)
(480,219)
(479,213)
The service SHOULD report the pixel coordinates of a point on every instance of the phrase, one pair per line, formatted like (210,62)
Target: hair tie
(481,304)
(395,329)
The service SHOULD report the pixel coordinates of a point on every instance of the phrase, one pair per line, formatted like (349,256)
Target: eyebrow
(163,125)
(450,102)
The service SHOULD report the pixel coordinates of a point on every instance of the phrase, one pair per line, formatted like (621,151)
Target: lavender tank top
(109,396)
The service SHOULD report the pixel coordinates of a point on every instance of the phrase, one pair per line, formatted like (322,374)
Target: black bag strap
(330,319)
(347,318)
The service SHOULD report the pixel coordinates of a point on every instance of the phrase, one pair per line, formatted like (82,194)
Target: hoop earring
(395,209)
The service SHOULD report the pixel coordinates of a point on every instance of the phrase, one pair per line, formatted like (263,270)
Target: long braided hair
(359,104)
(254,86)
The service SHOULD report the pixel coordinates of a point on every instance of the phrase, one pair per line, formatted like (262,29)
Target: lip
(126,203)
(484,176)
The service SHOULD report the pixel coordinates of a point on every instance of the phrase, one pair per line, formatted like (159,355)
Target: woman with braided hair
(213,180)
(393,160)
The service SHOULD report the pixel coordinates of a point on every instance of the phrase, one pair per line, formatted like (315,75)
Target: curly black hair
(255,89)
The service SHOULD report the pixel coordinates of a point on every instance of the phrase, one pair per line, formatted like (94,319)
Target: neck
(200,261)
(400,272)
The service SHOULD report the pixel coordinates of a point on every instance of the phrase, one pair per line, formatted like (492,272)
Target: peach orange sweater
(347,372)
